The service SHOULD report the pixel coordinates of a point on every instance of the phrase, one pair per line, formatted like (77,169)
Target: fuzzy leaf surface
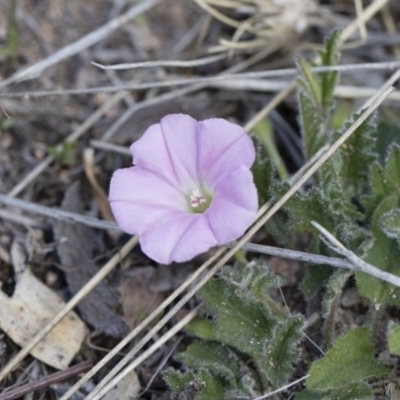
(394,338)
(211,355)
(390,223)
(386,181)
(351,359)
(385,255)
(315,97)
(357,155)
(352,391)
(281,351)
(262,170)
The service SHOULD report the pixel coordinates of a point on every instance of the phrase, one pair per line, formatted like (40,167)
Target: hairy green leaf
(281,351)
(201,327)
(199,385)
(394,338)
(351,359)
(390,223)
(386,181)
(330,55)
(262,170)
(331,298)
(213,356)
(313,124)
(352,391)
(240,323)
(178,381)
(357,155)
(315,97)
(384,254)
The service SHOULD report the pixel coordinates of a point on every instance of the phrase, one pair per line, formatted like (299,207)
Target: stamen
(197,198)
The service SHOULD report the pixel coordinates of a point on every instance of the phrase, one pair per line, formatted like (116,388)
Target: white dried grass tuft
(264,20)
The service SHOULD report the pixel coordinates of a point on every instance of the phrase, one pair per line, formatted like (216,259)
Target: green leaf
(252,280)
(201,385)
(212,356)
(306,207)
(387,135)
(66,153)
(201,327)
(330,56)
(262,170)
(394,338)
(315,97)
(390,223)
(281,351)
(385,255)
(246,319)
(357,155)
(351,359)
(264,131)
(310,395)
(332,296)
(311,122)
(178,381)
(352,391)
(241,324)
(386,181)
(212,388)
(333,183)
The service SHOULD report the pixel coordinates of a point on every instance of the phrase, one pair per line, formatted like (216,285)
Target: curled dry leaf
(77,245)
(29,309)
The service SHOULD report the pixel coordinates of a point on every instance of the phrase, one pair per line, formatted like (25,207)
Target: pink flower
(190,189)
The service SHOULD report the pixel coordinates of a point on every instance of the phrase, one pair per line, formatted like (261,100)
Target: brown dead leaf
(29,309)
(127,389)
(76,254)
(137,299)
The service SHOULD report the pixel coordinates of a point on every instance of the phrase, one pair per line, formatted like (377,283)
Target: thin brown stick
(46,381)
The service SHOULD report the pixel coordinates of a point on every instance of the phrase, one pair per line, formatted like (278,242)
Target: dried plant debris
(77,246)
(127,389)
(30,308)
(137,298)
(261,23)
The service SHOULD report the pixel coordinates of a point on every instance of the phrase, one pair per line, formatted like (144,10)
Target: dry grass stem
(365,16)
(55,213)
(162,63)
(358,263)
(206,81)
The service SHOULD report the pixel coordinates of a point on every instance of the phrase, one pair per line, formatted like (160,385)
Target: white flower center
(197,198)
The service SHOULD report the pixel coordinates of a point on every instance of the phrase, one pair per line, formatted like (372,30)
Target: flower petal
(134,218)
(170,149)
(234,206)
(149,152)
(177,237)
(223,147)
(139,197)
